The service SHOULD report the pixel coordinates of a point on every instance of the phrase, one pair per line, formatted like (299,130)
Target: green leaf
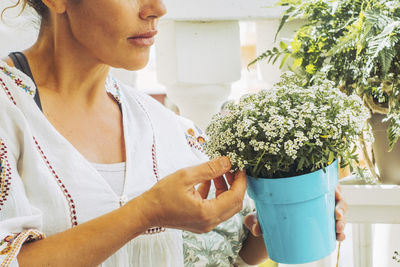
(301,162)
(283,45)
(284,59)
(297,63)
(393,131)
(331,157)
(284,19)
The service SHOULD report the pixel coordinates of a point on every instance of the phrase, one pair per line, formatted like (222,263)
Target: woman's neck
(60,64)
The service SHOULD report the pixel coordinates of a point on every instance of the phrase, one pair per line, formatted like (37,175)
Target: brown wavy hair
(37,5)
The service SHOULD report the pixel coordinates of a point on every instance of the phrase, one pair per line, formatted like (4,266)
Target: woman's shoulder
(13,86)
(12,78)
(8,61)
(15,89)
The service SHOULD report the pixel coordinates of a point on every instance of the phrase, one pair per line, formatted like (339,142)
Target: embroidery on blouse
(5,174)
(113,88)
(195,140)
(18,81)
(116,93)
(70,201)
(7,243)
(7,91)
(67,195)
(153,230)
(11,244)
(154,145)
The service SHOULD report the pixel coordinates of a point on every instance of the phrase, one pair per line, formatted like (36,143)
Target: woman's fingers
(220,185)
(340,226)
(341,206)
(230,202)
(251,222)
(229,177)
(340,210)
(178,205)
(338,193)
(206,171)
(204,189)
(340,237)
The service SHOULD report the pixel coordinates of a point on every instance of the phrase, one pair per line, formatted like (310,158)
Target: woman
(100,169)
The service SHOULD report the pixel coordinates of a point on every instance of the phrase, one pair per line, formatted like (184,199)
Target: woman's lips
(144,39)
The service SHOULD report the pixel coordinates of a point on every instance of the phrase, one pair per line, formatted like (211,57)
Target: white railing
(369,205)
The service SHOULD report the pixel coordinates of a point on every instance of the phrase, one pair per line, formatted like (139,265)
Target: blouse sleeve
(19,221)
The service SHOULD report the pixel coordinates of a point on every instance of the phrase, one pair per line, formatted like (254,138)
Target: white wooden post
(362,245)
(198,52)
(197,62)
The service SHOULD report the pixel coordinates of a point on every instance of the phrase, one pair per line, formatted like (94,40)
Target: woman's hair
(38,5)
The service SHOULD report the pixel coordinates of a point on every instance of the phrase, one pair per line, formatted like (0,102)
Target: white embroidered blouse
(47,186)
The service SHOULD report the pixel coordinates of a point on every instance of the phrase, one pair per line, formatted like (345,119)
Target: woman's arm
(173,202)
(88,244)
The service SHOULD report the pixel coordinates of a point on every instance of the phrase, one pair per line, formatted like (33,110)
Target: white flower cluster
(287,130)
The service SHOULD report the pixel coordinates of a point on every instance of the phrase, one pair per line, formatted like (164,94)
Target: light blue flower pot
(297,215)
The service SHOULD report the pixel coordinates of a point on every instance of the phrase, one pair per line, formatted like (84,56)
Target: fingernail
(340,211)
(341,226)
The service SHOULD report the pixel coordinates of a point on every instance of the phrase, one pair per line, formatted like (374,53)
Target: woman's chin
(131,65)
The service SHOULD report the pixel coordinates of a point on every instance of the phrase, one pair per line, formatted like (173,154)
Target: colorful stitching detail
(154,155)
(70,201)
(14,243)
(155,230)
(154,145)
(5,174)
(113,88)
(18,81)
(7,91)
(195,140)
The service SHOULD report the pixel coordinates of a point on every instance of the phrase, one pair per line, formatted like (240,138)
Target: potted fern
(355,44)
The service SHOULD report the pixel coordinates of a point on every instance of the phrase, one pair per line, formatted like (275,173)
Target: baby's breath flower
(287,130)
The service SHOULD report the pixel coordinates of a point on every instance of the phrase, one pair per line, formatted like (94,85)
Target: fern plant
(354,43)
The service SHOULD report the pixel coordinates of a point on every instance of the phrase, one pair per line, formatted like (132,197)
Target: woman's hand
(340,210)
(253,251)
(174,202)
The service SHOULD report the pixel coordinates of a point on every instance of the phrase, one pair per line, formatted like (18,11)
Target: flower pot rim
(296,176)
(299,189)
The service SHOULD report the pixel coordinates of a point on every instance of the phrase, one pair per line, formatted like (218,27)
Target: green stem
(255,169)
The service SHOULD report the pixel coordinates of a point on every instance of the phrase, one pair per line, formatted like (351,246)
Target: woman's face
(118,33)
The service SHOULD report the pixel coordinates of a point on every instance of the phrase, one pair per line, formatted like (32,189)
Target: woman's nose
(152,9)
